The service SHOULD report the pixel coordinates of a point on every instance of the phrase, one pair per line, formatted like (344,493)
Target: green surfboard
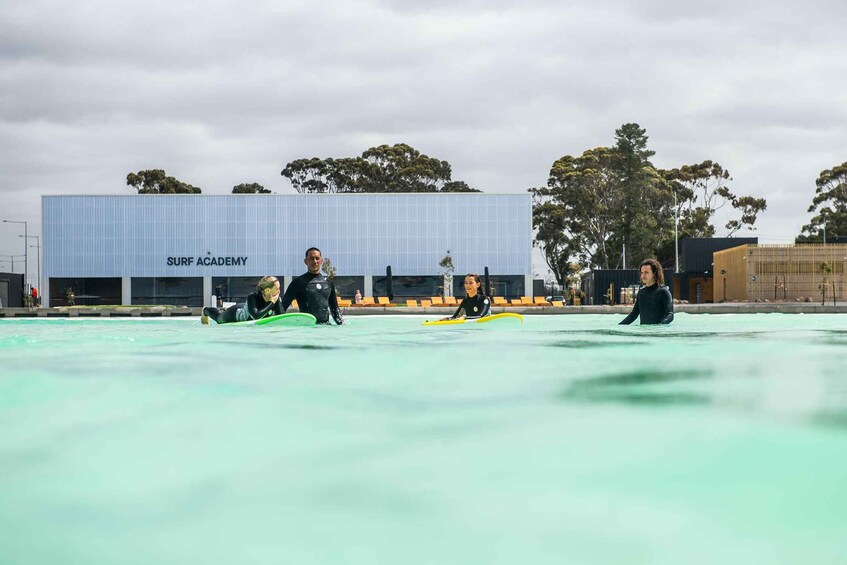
(292,320)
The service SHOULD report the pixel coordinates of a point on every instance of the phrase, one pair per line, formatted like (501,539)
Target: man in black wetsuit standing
(314,293)
(653,303)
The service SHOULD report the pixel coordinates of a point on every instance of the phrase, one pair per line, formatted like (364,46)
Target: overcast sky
(218,93)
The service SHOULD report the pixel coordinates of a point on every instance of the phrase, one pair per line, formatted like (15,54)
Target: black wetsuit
(476,307)
(654,304)
(315,294)
(254,309)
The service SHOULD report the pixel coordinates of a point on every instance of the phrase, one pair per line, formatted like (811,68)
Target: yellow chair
(368,301)
(411,303)
(450,301)
(344,303)
(558,304)
(294,304)
(436,301)
(540,301)
(516,302)
(383,301)
(526,301)
(500,301)
(426,303)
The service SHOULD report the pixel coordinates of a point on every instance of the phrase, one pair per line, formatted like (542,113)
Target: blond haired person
(260,304)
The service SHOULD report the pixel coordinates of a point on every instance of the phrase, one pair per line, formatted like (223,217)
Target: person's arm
(667,302)
(333,305)
(486,307)
(632,315)
(460,311)
(254,311)
(290,295)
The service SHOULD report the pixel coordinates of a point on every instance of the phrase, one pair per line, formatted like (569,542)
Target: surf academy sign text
(208,261)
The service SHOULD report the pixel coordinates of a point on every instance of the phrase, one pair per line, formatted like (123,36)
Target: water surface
(569,439)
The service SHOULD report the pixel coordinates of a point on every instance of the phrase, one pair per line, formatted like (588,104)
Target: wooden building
(781,273)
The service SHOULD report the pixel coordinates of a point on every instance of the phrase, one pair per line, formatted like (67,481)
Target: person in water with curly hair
(260,304)
(653,303)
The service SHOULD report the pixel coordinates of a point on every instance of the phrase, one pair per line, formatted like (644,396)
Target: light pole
(38,256)
(675,234)
(26,269)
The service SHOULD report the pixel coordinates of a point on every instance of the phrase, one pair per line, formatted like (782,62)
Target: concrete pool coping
(185,312)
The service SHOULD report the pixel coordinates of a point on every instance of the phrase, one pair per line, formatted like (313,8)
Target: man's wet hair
(313,249)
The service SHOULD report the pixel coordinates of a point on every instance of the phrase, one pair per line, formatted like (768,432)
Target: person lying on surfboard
(260,304)
(475,304)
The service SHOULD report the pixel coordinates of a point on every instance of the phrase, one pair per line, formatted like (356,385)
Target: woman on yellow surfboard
(475,304)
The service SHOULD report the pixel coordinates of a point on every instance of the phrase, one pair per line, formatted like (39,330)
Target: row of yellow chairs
(450,301)
(527,301)
(368,301)
(498,301)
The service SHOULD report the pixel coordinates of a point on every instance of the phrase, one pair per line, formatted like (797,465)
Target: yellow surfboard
(499,318)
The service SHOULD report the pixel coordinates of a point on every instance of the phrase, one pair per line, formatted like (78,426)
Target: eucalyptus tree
(250,188)
(156,181)
(829,206)
(383,168)
(701,190)
(576,214)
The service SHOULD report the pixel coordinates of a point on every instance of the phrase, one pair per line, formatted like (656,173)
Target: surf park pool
(567,439)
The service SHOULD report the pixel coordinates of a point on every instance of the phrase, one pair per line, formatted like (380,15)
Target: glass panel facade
(167,291)
(181,236)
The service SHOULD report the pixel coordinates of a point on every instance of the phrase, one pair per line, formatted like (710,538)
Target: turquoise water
(719,439)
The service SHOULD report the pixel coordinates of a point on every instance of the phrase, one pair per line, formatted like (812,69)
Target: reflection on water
(629,387)
(640,377)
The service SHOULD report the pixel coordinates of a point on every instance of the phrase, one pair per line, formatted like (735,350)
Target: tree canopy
(250,188)
(829,206)
(611,207)
(155,181)
(385,168)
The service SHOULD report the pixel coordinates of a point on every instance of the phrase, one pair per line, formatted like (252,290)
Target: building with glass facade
(182,249)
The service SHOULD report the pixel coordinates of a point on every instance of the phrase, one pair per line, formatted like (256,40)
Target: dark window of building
(235,289)
(173,291)
(346,287)
(507,286)
(406,287)
(11,290)
(87,291)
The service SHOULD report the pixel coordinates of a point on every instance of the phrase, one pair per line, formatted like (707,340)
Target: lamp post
(26,269)
(38,256)
(675,234)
